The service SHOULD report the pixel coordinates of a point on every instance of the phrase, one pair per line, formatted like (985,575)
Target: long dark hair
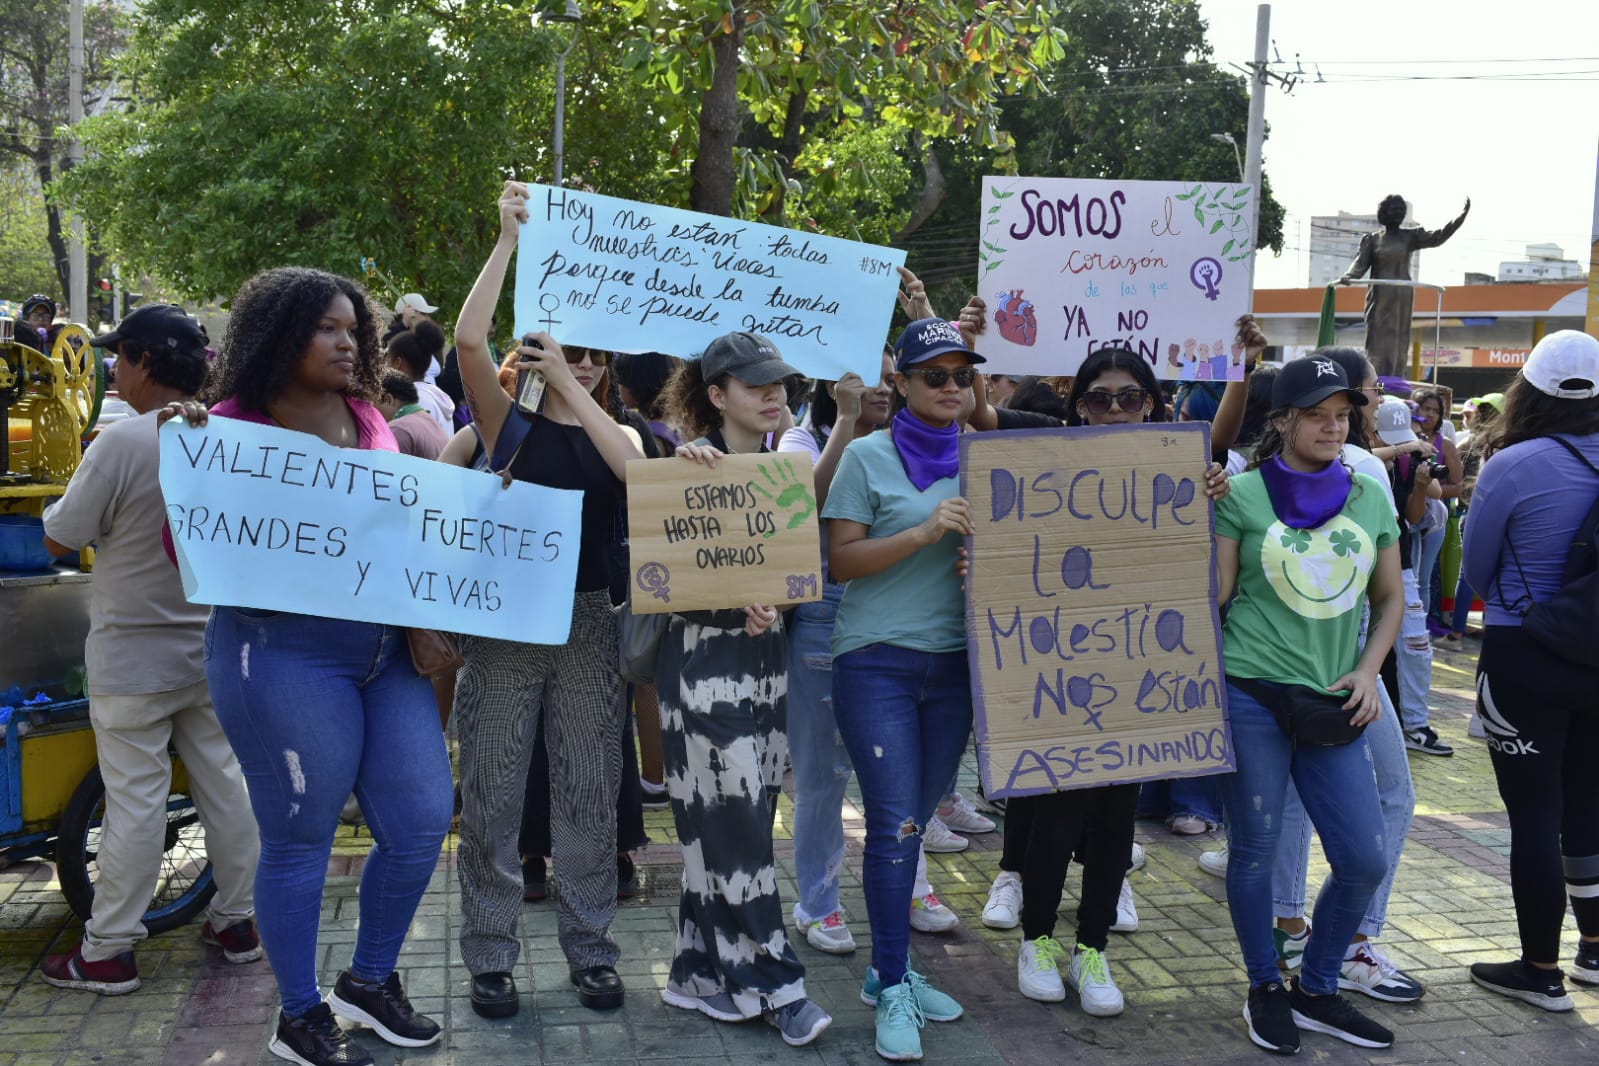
(271,324)
(1528,414)
(686,399)
(645,375)
(1257,406)
(1107,359)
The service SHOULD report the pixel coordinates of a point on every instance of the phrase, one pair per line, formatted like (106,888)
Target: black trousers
(1541,713)
(1097,823)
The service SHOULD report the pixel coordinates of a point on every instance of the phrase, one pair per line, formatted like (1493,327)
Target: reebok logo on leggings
(1502,736)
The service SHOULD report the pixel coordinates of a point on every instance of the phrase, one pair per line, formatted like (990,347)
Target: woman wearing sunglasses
(901,688)
(574,442)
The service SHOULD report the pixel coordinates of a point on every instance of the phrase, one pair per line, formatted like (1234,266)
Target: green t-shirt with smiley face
(1296,615)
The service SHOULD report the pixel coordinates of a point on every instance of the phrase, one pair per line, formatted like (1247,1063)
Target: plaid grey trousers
(499,695)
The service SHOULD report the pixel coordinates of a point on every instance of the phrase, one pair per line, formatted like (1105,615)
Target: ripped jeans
(905,717)
(316,708)
(1413,655)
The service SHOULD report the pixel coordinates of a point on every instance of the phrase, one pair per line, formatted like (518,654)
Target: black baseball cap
(750,357)
(1308,381)
(157,326)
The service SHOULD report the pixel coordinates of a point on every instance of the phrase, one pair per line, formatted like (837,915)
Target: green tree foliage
(1136,97)
(25,263)
(34,102)
(328,133)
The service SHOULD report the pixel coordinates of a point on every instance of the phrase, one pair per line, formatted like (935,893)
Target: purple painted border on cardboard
(979,700)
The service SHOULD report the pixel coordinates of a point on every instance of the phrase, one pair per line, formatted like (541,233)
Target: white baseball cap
(1393,421)
(414,299)
(1564,364)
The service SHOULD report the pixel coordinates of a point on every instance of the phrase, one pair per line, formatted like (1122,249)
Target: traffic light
(104,301)
(130,300)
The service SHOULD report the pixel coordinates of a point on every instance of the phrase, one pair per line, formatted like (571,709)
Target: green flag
(1326,326)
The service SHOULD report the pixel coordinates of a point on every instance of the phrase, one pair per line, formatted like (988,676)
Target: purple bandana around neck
(1301,500)
(928,453)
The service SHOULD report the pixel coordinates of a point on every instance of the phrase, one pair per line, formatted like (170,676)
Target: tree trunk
(788,150)
(932,194)
(712,176)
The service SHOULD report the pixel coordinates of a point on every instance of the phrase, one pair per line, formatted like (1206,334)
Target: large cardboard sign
(743,533)
(1092,629)
(609,273)
(269,518)
(1069,265)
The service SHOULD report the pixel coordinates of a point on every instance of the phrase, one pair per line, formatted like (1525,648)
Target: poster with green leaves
(1068,266)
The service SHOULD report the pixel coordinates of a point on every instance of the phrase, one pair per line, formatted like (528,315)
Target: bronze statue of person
(1386,254)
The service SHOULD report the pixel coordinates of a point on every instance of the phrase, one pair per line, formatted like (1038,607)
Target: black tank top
(563,457)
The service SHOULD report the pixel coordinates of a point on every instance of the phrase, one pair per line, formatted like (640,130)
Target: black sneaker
(1270,1018)
(1425,740)
(383,1006)
(1585,971)
(1541,988)
(1336,1016)
(535,879)
(316,1039)
(626,876)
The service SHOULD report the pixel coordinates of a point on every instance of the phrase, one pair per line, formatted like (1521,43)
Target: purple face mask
(929,454)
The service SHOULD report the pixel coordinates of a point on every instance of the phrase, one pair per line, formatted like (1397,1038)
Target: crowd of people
(1316,472)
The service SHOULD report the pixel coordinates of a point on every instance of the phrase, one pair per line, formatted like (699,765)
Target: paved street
(1180,970)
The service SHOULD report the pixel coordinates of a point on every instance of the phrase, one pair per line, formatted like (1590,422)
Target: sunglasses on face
(1129,400)
(937,377)
(574,355)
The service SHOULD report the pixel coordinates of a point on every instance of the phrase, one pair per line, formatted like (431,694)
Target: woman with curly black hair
(316,708)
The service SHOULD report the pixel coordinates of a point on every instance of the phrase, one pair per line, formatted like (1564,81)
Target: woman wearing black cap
(722,678)
(901,686)
(1304,542)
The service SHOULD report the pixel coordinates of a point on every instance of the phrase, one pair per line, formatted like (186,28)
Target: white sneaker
(828,934)
(1475,729)
(1004,907)
(929,915)
(938,838)
(1214,862)
(1126,910)
(1090,978)
(961,816)
(1139,858)
(1038,970)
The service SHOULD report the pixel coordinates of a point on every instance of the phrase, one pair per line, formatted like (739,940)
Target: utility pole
(77,261)
(1256,133)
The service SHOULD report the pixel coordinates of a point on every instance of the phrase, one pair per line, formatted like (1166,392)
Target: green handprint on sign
(786,492)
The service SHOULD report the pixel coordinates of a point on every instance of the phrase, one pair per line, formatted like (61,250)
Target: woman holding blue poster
(575,441)
(316,708)
(1305,542)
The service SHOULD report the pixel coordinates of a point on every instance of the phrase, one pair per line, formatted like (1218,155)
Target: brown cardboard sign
(743,533)
(1092,630)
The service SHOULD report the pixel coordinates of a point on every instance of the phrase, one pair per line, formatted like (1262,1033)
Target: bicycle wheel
(184,885)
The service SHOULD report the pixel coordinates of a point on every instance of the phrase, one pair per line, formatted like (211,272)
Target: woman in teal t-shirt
(1305,542)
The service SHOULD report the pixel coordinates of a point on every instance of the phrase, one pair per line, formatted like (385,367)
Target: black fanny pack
(1309,718)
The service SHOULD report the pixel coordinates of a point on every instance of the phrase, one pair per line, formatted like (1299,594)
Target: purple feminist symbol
(1205,274)
(653,577)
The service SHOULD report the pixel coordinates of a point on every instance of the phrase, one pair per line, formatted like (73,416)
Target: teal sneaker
(935,1006)
(1290,948)
(899,1024)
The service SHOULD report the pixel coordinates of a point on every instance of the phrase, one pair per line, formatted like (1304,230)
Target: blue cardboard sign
(273,519)
(608,273)
(1092,629)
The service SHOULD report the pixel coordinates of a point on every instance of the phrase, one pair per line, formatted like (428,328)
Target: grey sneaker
(718,1005)
(800,1022)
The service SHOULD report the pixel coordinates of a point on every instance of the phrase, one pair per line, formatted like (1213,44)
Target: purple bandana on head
(1301,500)
(928,453)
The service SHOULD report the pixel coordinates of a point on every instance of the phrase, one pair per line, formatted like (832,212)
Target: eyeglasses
(1098,401)
(1377,388)
(936,377)
(575,356)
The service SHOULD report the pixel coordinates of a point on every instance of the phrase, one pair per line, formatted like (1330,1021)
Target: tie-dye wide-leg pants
(723,704)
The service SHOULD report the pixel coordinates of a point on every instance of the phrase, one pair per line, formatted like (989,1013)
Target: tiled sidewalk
(1180,972)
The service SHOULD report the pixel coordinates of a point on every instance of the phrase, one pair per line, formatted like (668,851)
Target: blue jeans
(1463,597)
(1413,657)
(1339,791)
(1396,795)
(1196,796)
(316,708)
(1425,552)
(820,760)
(905,716)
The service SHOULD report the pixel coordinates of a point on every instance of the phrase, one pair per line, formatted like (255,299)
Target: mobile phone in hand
(531,394)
